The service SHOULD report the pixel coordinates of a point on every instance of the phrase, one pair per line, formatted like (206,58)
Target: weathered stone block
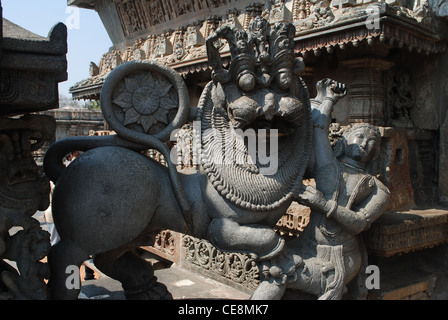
(403,232)
(394,168)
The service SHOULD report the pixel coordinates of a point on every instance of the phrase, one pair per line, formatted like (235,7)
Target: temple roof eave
(395,31)
(82,91)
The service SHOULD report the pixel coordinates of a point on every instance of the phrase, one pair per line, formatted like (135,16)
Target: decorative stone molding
(403,232)
(30,66)
(138,15)
(367,96)
(167,244)
(234,268)
(320,25)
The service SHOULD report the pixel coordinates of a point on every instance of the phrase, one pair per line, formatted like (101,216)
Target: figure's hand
(328,88)
(312,198)
(336,90)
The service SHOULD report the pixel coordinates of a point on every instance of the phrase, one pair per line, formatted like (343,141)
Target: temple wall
(76,122)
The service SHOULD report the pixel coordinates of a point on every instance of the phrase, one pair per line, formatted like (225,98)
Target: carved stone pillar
(30,69)
(367,90)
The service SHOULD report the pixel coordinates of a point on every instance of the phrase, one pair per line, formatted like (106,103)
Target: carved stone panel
(367,91)
(23,191)
(236,269)
(138,15)
(167,245)
(398,233)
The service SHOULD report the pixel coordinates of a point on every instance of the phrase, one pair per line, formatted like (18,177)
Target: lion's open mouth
(277,127)
(249,173)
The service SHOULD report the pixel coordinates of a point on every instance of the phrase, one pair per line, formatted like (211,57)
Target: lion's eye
(284,81)
(247,82)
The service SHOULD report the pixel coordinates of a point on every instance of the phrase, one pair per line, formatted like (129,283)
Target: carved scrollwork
(146,98)
(165,242)
(237,267)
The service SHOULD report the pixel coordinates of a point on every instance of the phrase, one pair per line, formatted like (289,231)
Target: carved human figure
(193,37)
(320,14)
(345,202)
(401,97)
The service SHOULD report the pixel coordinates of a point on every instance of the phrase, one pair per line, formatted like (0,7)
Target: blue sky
(87,37)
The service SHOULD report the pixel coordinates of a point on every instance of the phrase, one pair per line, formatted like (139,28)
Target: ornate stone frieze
(239,268)
(139,15)
(167,245)
(397,233)
(320,25)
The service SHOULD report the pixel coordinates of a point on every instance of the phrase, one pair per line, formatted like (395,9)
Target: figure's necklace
(353,166)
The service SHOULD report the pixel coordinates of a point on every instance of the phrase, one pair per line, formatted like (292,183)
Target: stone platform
(182,284)
(407,231)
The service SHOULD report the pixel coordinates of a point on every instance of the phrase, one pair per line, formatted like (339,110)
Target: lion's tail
(53,160)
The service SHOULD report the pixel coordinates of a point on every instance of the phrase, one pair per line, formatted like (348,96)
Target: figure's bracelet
(330,99)
(333,209)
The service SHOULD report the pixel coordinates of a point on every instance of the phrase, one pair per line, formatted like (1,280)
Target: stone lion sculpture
(255,139)
(107,201)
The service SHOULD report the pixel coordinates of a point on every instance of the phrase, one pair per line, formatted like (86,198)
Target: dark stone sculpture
(110,199)
(22,192)
(31,66)
(345,202)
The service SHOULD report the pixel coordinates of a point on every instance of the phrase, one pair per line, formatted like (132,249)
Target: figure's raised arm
(328,94)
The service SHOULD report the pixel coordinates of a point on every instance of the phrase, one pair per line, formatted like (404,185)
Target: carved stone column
(367,90)
(30,69)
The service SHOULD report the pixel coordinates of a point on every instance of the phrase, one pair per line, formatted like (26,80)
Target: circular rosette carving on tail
(144,98)
(144,102)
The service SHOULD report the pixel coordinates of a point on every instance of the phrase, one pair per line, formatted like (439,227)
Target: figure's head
(261,88)
(362,143)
